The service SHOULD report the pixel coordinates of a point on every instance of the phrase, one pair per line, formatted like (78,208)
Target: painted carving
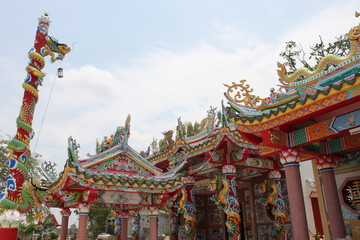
(17,194)
(274,203)
(354,37)
(187,207)
(227,200)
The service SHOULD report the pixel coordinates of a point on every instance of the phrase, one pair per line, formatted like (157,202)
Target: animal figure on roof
(167,142)
(354,38)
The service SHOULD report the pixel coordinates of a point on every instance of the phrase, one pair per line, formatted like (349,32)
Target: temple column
(278,204)
(153,216)
(83,210)
(65,213)
(117,228)
(135,222)
(325,165)
(233,219)
(124,228)
(290,158)
(187,206)
(174,224)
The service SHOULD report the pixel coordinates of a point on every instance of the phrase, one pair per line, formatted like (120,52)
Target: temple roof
(301,94)
(116,168)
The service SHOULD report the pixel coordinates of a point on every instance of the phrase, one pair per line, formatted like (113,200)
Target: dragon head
(52,46)
(263,187)
(215,183)
(354,33)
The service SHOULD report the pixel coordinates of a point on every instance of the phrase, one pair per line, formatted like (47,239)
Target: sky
(155,60)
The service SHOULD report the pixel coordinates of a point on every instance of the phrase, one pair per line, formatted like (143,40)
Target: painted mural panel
(121,163)
(121,197)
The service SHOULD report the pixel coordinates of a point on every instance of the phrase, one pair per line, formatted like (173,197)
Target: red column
(84,210)
(153,216)
(326,166)
(290,158)
(65,213)
(153,227)
(124,228)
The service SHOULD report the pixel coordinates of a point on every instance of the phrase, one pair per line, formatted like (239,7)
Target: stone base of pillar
(8,233)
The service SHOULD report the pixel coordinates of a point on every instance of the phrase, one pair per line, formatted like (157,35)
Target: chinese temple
(236,174)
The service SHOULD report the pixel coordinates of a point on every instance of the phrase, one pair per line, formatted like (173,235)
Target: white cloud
(161,85)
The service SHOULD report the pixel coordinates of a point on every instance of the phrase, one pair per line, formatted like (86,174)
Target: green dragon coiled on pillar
(135,230)
(226,200)
(274,206)
(174,225)
(19,193)
(188,208)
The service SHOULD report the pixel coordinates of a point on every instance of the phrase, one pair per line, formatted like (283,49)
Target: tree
(26,230)
(4,170)
(33,163)
(295,53)
(73,230)
(99,222)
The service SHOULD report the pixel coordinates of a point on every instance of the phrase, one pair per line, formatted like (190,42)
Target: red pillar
(290,158)
(124,228)
(326,166)
(153,216)
(84,210)
(153,227)
(65,213)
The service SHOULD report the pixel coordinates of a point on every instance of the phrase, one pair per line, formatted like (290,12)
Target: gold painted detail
(241,93)
(354,37)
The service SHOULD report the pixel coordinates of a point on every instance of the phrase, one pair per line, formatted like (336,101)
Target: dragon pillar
(174,224)
(227,200)
(274,203)
(18,194)
(135,230)
(188,208)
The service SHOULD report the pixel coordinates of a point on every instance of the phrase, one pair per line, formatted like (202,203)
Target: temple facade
(282,167)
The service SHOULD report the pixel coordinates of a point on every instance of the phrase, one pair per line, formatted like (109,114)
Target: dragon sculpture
(274,206)
(135,230)
(120,136)
(354,38)
(166,143)
(227,200)
(187,129)
(188,208)
(19,193)
(174,224)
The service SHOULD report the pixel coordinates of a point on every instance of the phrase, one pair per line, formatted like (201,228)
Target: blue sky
(155,60)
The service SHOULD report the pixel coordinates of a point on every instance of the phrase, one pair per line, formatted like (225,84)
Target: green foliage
(26,230)
(295,54)
(73,230)
(33,163)
(99,222)
(4,170)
